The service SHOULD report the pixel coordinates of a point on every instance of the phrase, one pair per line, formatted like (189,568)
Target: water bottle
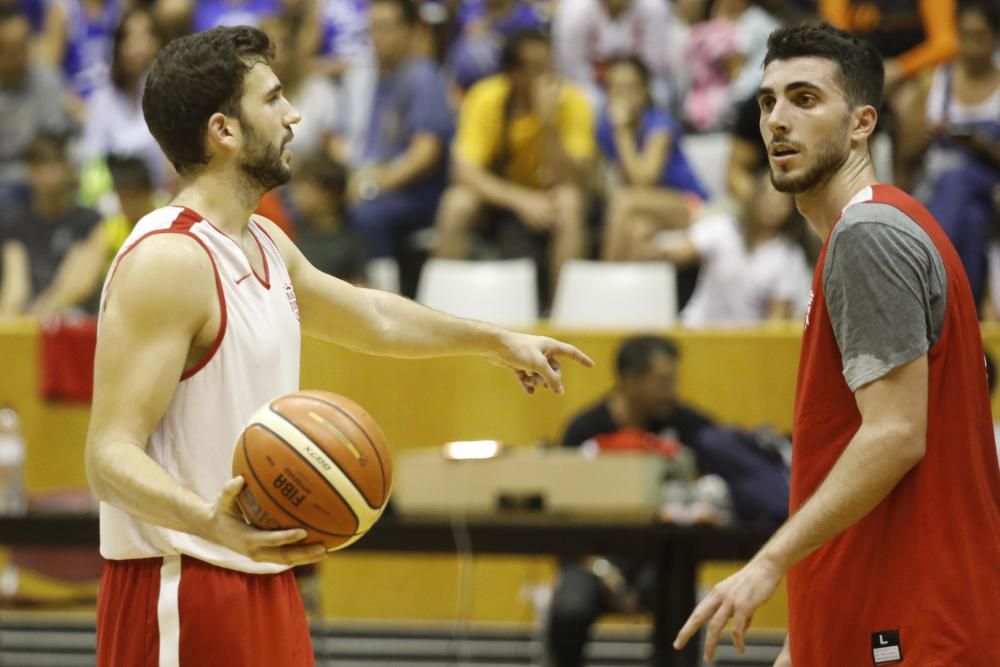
(11,463)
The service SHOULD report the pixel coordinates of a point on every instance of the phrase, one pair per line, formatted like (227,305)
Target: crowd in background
(552,129)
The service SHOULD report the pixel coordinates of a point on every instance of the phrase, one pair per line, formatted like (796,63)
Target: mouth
(782,152)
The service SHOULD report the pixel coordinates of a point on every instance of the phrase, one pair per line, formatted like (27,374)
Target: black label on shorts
(886,648)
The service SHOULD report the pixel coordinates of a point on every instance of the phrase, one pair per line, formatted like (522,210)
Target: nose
(292,116)
(777,118)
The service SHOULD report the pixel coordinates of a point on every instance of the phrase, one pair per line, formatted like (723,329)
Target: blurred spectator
(210,14)
(747,153)
(324,237)
(403,165)
(43,241)
(31,101)
(313,95)
(962,163)
(335,39)
(525,145)
(115,124)
(77,38)
(751,269)
(644,398)
(912,37)
(725,55)
(587,34)
(483,26)
(644,143)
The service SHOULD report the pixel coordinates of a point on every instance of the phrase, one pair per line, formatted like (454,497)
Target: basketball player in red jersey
(200,325)
(892,549)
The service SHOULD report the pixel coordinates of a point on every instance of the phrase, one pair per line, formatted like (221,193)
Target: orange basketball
(314,460)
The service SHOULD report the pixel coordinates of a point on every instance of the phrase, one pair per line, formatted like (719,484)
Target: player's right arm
(161,307)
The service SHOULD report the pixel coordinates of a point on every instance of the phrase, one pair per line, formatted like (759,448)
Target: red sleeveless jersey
(916,581)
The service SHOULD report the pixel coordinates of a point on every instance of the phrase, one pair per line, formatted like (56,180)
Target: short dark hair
(324,171)
(985,8)
(407,10)
(510,54)
(194,77)
(636,354)
(46,147)
(118,76)
(129,173)
(862,74)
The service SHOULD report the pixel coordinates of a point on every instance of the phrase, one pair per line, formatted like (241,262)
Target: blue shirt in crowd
(210,14)
(89,42)
(677,173)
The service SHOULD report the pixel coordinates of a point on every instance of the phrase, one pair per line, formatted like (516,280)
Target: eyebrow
(790,88)
(276,88)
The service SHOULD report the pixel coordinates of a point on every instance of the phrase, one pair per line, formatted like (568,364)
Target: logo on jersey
(290,293)
(886,648)
(809,308)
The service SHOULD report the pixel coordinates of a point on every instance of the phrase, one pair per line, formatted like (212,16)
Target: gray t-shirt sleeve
(885,287)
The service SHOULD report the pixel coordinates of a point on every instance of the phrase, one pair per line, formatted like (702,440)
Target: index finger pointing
(567,350)
(701,613)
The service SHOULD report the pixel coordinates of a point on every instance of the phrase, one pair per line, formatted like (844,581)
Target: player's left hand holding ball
(534,359)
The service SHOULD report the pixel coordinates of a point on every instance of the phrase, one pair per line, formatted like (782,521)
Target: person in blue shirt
(659,188)
(77,38)
(210,14)
(403,162)
(483,27)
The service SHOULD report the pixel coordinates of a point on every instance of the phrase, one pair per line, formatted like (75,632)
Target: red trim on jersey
(183,225)
(266,280)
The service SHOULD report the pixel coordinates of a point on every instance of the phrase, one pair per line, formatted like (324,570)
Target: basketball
(314,460)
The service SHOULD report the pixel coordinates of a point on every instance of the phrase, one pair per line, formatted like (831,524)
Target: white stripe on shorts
(167,612)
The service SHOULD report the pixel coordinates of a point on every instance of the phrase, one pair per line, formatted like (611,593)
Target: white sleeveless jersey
(254,359)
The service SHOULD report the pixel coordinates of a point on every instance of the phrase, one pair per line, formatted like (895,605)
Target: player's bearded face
(260,159)
(824,158)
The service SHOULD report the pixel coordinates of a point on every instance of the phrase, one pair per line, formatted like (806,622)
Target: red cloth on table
(67,359)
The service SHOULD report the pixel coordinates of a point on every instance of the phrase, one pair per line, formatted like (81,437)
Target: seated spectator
(115,124)
(660,190)
(752,269)
(335,41)
(961,166)
(43,241)
(313,95)
(912,37)
(483,26)
(324,237)
(77,39)
(747,153)
(396,188)
(525,145)
(210,14)
(644,398)
(587,34)
(32,101)
(725,55)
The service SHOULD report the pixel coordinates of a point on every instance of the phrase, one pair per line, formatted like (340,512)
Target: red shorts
(178,611)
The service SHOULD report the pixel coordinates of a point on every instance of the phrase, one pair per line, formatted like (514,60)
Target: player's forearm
(126,477)
(409,330)
(867,471)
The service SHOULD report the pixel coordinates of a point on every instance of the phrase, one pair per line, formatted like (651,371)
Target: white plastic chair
(615,295)
(503,292)
(708,155)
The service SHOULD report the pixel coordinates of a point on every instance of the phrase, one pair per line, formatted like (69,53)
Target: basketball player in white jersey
(200,325)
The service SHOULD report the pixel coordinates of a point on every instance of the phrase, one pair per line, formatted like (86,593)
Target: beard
(261,162)
(831,155)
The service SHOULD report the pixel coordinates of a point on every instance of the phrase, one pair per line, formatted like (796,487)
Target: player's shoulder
(877,219)
(165,268)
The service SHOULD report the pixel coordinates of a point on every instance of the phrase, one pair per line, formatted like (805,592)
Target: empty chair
(708,155)
(615,295)
(503,292)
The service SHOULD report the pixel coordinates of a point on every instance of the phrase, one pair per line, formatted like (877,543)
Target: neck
(822,204)
(225,199)
(52,205)
(622,412)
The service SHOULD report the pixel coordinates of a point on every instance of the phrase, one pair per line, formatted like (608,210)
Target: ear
(864,120)
(222,131)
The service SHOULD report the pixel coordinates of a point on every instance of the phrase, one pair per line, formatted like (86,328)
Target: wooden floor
(67,640)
